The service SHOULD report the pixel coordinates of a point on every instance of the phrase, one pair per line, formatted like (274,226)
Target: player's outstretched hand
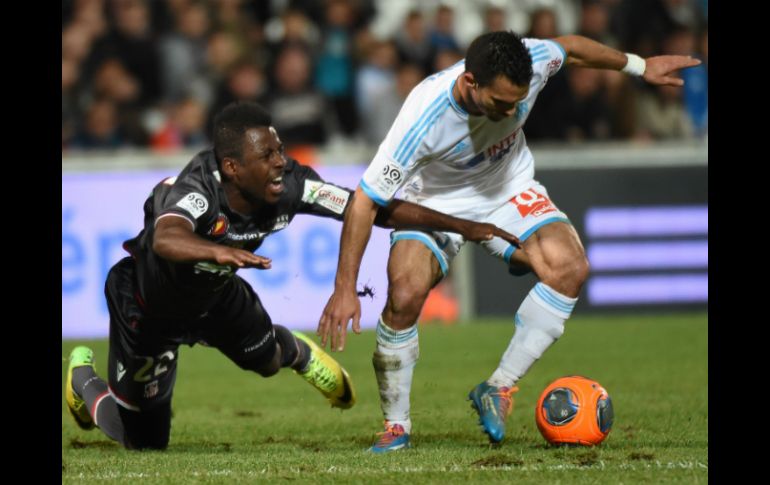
(482,231)
(241,258)
(659,68)
(341,307)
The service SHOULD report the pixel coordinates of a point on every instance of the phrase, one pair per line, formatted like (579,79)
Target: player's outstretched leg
(494,405)
(327,375)
(79,357)
(88,398)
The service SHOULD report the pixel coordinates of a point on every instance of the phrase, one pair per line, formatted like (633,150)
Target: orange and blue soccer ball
(574,410)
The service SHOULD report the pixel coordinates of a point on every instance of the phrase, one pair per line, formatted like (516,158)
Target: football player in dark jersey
(179,286)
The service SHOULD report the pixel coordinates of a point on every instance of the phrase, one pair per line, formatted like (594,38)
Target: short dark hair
(231,124)
(499,53)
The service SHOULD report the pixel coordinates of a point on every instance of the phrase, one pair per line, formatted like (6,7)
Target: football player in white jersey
(457,146)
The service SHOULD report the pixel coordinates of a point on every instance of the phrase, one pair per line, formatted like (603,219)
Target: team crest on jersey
(220,226)
(194,203)
(533,203)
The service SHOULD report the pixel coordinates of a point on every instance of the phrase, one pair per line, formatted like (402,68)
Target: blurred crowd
(152,73)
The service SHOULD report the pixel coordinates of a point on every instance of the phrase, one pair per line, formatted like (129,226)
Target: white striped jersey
(450,160)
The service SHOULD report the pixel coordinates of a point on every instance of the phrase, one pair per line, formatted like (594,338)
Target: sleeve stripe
(540,58)
(424,130)
(539,49)
(563,52)
(174,214)
(372,195)
(407,140)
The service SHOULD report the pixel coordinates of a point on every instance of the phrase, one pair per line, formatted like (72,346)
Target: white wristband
(635,65)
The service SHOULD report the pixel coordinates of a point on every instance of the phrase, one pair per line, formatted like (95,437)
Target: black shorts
(144,348)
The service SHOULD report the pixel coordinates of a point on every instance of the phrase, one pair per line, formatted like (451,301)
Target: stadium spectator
(90,15)
(299,110)
(112,81)
(588,115)
(245,81)
(375,78)
(543,24)
(575,108)
(183,126)
(385,107)
(550,120)
(334,66)
(101,129)
(183,54)
(222,52)
(494,19)
(456,145)
(132,42)
(446,58)
(70,73)
(661,115)
(176,49)
(442,35)
(179,286)
(76,43)
(413,42)
(683,41)
(293,27)
(595,23)
(189,119)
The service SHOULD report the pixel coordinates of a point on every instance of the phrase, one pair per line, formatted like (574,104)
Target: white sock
(539,322)
(394,360)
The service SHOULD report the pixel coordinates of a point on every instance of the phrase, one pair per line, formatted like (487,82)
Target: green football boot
(327,375)
(79,357)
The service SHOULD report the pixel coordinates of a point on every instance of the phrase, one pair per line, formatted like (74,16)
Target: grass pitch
(237,427)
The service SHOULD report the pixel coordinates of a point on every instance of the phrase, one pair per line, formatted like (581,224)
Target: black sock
(80,375)
(90,387)
(294,352)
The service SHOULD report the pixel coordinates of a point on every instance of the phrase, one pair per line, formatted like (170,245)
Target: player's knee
(407,295)
(573,270)
(148,429)
(568,275)
(581,269)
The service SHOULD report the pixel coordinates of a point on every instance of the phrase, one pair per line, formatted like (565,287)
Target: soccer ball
(574,410)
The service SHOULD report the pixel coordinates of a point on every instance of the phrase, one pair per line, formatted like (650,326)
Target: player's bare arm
(175,241)
(343,305)
(406,215)
(584,52)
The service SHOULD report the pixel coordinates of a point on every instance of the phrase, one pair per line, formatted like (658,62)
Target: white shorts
(521,215)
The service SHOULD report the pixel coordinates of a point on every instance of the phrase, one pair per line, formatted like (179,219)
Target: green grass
(234,426)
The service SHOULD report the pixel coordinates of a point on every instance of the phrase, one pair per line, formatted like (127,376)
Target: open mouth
(276,185)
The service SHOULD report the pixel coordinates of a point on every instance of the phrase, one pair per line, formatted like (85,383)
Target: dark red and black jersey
(196,194)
